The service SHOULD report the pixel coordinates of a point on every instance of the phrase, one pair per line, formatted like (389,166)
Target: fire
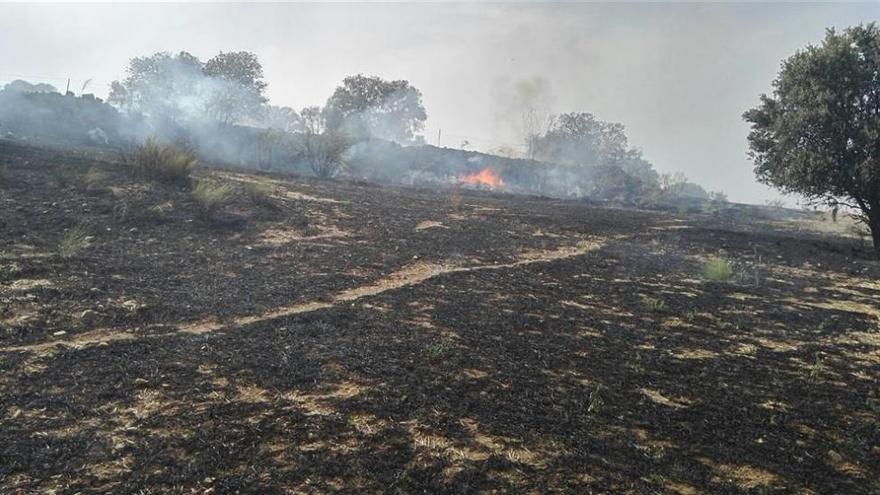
(485,177)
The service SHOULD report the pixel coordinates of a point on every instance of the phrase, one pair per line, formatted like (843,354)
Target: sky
(677,75)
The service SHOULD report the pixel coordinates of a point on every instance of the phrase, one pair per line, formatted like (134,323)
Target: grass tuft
(211,196)
(718,269)
(261,195)
(163,162)
(95,179)
(653,304)
(73,242)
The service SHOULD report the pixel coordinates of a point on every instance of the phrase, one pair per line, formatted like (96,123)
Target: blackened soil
(595,359)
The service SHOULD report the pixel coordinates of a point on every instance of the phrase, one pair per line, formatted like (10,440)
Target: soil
(341,337)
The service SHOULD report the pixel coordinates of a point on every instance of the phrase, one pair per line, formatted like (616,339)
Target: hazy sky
(678,76)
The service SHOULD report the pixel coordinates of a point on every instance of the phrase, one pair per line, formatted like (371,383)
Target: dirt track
(365,339)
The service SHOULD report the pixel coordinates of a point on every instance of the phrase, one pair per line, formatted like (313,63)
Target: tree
(282,118)
(20,86)
(322,147)
(325,153)
(238,86)
(175,88)
(365,107)
(582,139)
(534,125)
(159,86)
(818,134)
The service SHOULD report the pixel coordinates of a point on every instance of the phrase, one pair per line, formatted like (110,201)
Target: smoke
(522,108)
(224,118)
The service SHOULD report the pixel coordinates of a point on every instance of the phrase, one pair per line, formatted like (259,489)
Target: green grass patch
(718,269)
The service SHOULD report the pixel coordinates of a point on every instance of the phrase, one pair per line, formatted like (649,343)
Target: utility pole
(68,87)
(438,136)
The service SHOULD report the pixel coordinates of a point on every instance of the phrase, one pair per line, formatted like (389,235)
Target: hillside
(342,337)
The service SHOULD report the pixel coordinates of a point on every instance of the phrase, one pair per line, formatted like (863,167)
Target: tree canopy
(369,106)
(818,134)
(226,89)
(582,139)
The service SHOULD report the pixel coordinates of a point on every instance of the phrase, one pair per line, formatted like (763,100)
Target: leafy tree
(581,139)
(238,86)
(158,85)
(282,118)
(323,148)
(174,88)
(325,153)
(20,86)
(242,68)
(818,134)
(314,120)
(614,184)
(365,107)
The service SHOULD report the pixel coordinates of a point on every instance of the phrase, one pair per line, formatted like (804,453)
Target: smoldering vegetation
(369,129)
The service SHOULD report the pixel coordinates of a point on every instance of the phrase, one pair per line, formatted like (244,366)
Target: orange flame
(485,177)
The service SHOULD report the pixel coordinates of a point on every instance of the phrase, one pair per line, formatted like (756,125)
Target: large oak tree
(818,134)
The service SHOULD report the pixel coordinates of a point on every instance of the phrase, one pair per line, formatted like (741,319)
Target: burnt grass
(613,369)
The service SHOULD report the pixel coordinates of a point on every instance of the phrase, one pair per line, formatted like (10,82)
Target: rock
(88,317)
(59,333)
(131,306)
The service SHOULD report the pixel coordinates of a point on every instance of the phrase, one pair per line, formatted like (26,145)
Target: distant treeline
(370,128)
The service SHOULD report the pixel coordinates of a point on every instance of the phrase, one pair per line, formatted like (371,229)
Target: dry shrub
(163,162)
(261,195)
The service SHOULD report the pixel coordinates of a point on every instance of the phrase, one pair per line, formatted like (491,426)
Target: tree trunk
(874,225)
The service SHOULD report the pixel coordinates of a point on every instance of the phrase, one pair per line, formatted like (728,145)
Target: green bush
(211,196)
(163,162)
(718,269)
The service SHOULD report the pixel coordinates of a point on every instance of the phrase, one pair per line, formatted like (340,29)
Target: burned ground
(343,337)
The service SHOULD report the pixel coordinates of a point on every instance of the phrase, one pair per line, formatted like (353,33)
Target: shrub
(163,162)
(325,152)
(260,194)
(73,242)
(95,178)
(211,196)
(718,269)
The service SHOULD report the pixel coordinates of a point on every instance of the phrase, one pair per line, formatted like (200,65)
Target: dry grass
(73,242)
(261,194)
(95,179)
(163,162)
(211,196)
(654,304)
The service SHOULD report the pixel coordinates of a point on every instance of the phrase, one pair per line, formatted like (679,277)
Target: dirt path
(409,275)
